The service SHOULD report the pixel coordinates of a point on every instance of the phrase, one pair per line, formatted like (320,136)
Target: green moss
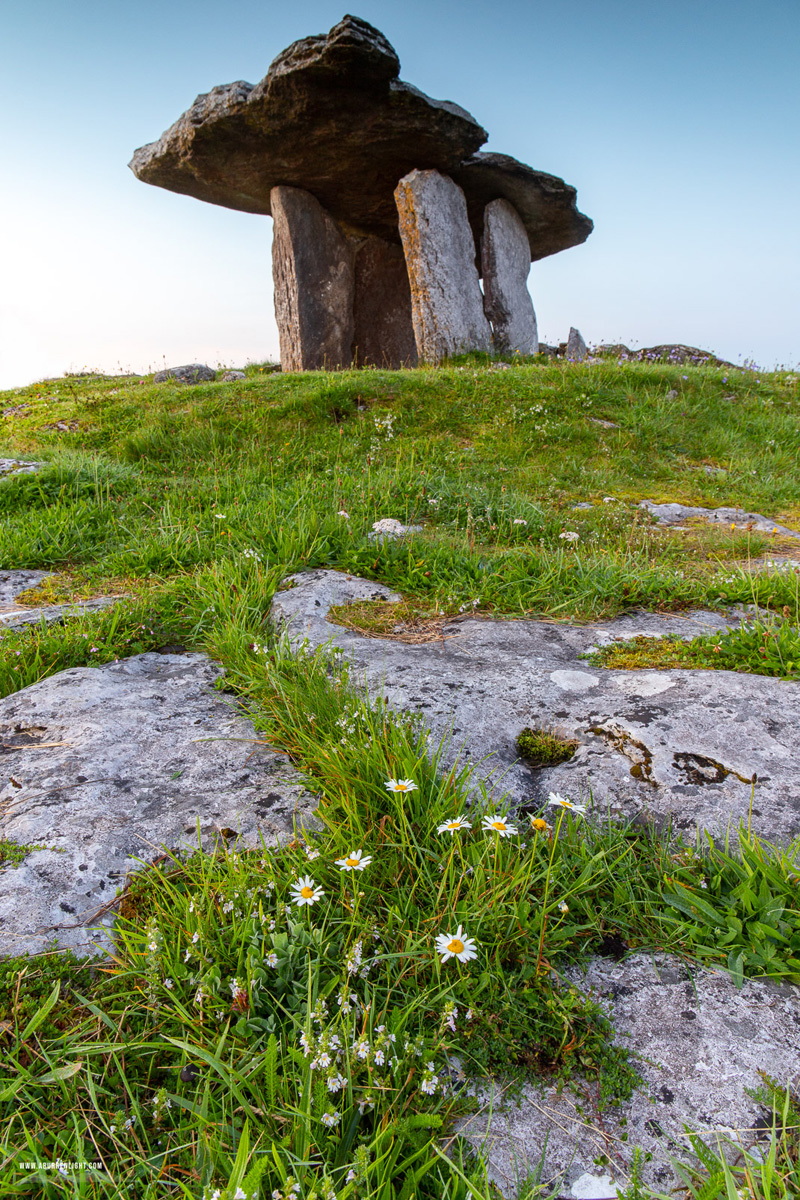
(545,747)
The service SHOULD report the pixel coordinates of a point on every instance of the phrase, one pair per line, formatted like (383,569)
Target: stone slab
(446,299)
(576,346)
(312,270)
(383,330)
(505,264)
(676,514)
(105,765)
(188,373)
(680,745)
(697,1042)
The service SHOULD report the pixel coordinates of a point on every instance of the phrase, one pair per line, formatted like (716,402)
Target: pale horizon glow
(677,125)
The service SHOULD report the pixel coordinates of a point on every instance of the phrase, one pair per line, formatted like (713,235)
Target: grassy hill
(298,1067)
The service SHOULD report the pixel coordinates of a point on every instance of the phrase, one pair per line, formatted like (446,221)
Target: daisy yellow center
(454,825)
(498,824)
(306,892)
(401,787)
(539,824)
(352,862)
(456,946)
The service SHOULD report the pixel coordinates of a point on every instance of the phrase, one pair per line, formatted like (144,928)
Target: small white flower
(557,801)
(454,826)
(429,1085)
(563,908)
(500,826)
(401,785)
(195,937)
(311,854)
(169,985)
(336,1082)
(569,535)
(305,891)
(519,521)
(456,945)
(331,1119)
(354,861)
(342,513)
(220,516)
(272,959)
(361,1049)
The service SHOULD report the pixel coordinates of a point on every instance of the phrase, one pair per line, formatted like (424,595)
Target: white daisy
(305,891)
(456,945)
(454,826)
(401,785)
(354,861)
(557,801)
(500,826)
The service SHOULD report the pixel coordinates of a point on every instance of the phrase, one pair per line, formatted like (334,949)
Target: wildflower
(519,521)
(557,801)
(219,516)
(456,945)
(195,937)
(336,1082)
(311,853)
(187,955)
(169,985)
(500,826)
(331,1119)
(342,513)
(401,785)
(454,826)
(305,891)
(354,961)
(539,825)
(354,861)
(380,1057)
(361,1049)
(569,535)
(563,908)
(272,959)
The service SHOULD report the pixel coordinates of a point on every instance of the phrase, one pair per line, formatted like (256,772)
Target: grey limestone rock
(312,268)
(383,330)
(698,1043)
(231,376)
(673,745)
(505,262)
(103,767)
(446,299)
(190,373)
(576,346)
(16,466)
(675,514)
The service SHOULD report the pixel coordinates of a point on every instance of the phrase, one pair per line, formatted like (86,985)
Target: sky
(677,123)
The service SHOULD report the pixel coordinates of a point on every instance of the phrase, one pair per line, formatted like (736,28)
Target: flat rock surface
(697,1041)
(678,744)
(676,514)
(14,615)
(106,765)
(332,116)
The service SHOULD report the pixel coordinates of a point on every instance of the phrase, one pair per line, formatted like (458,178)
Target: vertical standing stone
(505,262)
(446,299)
(312,268)
(576,346)
(383,329)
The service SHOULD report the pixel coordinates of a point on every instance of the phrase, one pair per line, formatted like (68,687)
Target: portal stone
(312,269)
(446,299)
(383,329)
(505,262)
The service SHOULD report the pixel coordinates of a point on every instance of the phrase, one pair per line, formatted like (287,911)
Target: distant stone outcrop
(332,120)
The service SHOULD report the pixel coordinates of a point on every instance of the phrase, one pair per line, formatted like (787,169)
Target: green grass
(191,504)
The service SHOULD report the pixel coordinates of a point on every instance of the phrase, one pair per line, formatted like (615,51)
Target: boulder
(505,260)
(576,346)
(312,269)
(104,766)
(231,376)
(676,514)
(332,117)
(190,373)
(383,330)
(446,299)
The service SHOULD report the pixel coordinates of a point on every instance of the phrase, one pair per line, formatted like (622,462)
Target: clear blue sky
(677,122)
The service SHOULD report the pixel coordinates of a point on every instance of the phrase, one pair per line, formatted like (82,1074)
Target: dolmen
(386,213)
